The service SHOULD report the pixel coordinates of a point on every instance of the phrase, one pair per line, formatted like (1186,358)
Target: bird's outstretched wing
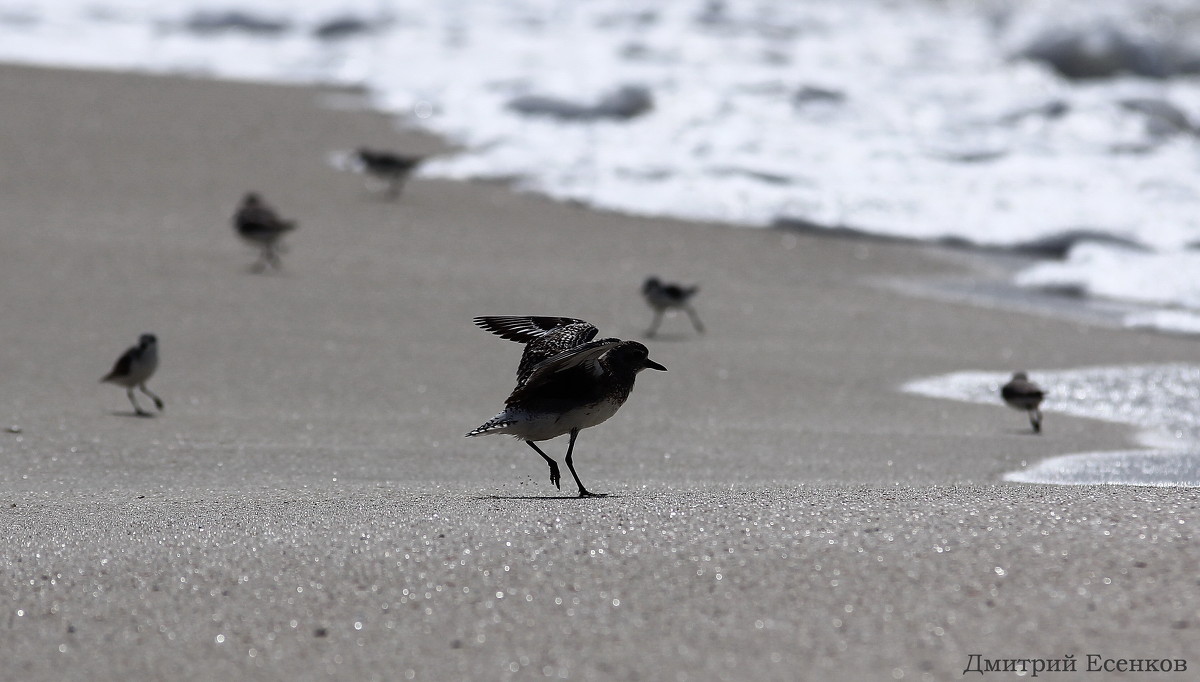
(525,328)
(587,356)
(544,337)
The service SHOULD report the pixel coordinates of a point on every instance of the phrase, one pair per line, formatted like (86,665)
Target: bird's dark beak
(650,364)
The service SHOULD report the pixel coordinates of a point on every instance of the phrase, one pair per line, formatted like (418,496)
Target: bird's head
(633,355)
(147,340)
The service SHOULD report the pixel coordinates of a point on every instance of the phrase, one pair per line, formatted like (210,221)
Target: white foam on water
(1163,468)
(907,118)
(1164,282)
(1160,400)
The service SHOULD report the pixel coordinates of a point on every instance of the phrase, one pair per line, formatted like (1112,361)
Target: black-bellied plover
(565,381)
(663,297)
(394,169)
(134,368)
(1022,394)
(259,225)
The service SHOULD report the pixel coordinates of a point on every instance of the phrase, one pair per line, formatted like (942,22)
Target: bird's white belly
(545,426)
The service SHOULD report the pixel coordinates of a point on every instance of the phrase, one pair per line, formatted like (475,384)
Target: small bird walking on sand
(394,169)
(566,382)
(134,368)
(1022,394)
(664,297)
(259,225)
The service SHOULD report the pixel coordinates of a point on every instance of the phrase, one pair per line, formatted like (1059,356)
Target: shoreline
(984,164)
(974,258)
(306,505)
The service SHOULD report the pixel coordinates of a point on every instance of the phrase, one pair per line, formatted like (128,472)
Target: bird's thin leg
(157,400)
(136,408)
(583,492)
(695,318)
(1035,420)
(272,256)
(658,315)
(554,477)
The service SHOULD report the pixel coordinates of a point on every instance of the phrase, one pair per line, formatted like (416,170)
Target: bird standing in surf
(566,382)
(393,169)
(134,368)
(259,225)
(1022,394)
(663,297)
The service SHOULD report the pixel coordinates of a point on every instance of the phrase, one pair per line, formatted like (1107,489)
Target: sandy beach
(306,506)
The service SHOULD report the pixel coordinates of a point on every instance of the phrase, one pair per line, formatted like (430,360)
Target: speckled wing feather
(544,336)
(552,344)
(525,328)
(587,357)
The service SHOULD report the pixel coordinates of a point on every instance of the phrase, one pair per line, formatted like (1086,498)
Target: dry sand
(307,507)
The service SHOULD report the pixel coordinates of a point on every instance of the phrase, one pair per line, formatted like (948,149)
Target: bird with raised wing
(566,382)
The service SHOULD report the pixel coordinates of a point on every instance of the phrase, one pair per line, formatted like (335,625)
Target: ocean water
(921,119)
(1159,400)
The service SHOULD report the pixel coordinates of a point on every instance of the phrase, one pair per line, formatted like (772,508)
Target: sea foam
(994,123)
(1160,400)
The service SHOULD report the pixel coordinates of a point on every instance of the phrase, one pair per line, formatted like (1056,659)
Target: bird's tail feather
(492,425)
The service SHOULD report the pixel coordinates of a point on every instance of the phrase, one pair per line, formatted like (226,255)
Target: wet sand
(307,508)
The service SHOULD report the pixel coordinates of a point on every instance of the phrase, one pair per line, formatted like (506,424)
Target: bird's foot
(143,413)
(159,404)
(554,477)
(586,493)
